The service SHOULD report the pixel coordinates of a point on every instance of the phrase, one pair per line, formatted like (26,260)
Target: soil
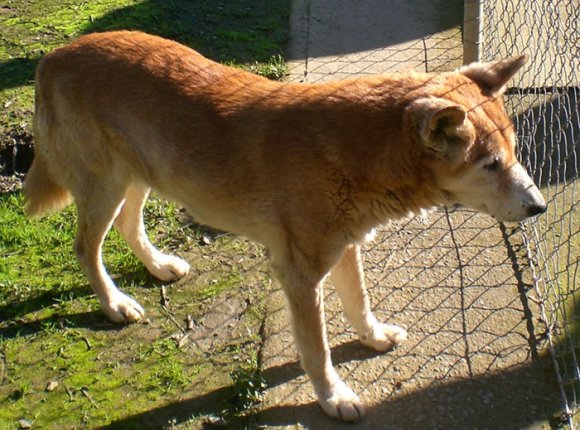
(16,154)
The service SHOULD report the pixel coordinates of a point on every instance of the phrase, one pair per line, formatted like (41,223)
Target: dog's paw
(168,268)
(383,337)
(342,403)
(123,309)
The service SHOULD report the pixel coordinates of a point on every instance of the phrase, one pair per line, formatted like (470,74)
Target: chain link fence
(462,284)
(544,102)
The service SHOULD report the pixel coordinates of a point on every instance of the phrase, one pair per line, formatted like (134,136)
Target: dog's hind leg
(131,226)
(98,204)
(347,276)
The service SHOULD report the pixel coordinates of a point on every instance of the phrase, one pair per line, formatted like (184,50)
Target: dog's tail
(43,195)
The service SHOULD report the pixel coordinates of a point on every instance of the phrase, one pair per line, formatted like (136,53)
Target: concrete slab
(470,345)
(335,40)
(473,357)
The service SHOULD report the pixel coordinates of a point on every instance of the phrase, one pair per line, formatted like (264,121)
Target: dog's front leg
(305,302)
(347,276)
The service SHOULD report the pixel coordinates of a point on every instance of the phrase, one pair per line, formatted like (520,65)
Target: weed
(276,68)
(248,389)
(217,286)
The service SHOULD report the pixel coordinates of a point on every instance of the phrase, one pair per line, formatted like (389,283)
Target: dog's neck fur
(370,189)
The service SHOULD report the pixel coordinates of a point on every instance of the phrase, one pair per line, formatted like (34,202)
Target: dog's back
(246,154)
(220,140)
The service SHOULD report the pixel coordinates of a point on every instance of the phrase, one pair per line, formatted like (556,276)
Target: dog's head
(469,143)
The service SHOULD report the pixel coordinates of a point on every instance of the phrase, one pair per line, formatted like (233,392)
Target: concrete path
(457,281)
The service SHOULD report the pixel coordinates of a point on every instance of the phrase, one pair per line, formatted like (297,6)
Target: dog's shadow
(212,403)
(93,320)
(509,399)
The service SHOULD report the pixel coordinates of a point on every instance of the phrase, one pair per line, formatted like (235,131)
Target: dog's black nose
(537,209)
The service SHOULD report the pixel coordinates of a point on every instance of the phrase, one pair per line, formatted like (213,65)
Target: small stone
(24,424)
(51,386)
(216,421)
(206,240)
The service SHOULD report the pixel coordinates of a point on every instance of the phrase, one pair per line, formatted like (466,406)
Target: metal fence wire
(483,301)
(544,101)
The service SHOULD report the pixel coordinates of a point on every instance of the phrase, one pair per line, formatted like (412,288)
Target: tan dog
(306,170)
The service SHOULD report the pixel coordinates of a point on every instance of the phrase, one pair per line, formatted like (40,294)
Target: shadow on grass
(232,31)
(15,310)
(93,320)
(511,399)
(18,308)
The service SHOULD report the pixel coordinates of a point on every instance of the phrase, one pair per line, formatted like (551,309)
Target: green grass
(38,264)
(40,280)
(52,331)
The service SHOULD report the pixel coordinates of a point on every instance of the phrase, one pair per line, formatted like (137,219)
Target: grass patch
(53,331)
(38,266)
(62,364)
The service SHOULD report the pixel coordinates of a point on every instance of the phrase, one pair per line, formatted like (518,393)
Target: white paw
(122,309)
(342,403)
(168,268)
(383,337)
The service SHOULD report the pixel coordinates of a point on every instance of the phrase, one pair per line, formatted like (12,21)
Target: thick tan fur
(307,170)
(43,194)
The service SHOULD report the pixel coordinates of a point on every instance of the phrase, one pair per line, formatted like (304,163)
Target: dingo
(307,170)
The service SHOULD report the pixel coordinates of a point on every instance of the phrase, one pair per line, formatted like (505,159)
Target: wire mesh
(458,281)
(544,101)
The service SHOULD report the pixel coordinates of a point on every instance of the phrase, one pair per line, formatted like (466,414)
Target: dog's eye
(493,165)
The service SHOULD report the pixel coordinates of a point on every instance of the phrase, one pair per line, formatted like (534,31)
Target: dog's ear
(492,77)
(443,125)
